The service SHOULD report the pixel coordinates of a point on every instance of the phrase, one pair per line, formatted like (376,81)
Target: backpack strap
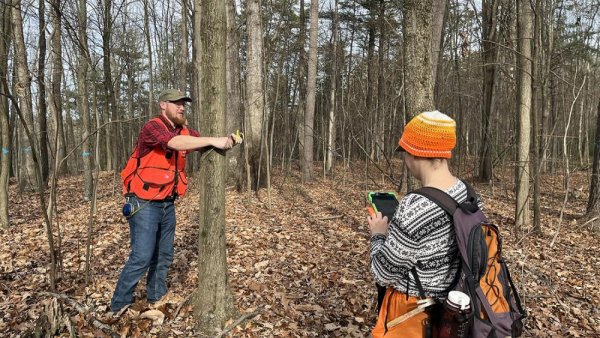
(447,202)
(441,198)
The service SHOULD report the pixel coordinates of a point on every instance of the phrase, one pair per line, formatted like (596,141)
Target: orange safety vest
(157,175)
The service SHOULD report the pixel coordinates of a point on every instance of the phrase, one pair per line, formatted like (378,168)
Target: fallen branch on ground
(185,301)
(79,307)
(240,320)
(329,218)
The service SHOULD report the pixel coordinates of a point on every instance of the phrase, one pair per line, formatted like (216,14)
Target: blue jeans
(152,230)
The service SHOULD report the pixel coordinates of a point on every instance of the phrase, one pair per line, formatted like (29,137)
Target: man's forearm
(186,142)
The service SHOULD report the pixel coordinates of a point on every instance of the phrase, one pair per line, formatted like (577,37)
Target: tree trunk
(301,87)
(234,99)
(55,88)
(82,98)
(370,112)
(535,117)
(213,304)
(42,107)
(418,88)
(490,53)
(311,91)
(183,69)
(379,131)
(23,93)
(332,96)
(593,207)
(5,141)
(150,58)
(109,109)
(437,29)
(524,67)
(417,63)
(255,103)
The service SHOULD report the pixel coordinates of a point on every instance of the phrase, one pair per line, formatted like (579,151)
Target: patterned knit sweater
(420,234)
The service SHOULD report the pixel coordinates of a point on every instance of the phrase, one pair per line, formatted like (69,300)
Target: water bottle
(455,321)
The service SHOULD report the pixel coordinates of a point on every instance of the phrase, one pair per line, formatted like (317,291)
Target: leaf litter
(304,261)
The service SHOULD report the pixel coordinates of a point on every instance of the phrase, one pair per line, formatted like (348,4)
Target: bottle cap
(461,299)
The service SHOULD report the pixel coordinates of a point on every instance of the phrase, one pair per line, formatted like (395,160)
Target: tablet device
(384,202)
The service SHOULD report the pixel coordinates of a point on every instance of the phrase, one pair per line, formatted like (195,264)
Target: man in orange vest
(153,179)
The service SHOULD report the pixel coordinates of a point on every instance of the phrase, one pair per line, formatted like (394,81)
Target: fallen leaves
(305,261)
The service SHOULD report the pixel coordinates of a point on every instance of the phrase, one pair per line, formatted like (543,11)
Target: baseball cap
(173,95)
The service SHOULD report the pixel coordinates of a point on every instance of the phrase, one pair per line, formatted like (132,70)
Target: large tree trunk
(255,104)
(524,67)
(234,99)
(417,61)
(23,94)
(593,207)
(418,87)
(82,98)
(5,141)
(213,304)
(311,91)
(490,53)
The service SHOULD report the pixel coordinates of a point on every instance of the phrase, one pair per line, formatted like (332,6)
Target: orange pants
(394,305)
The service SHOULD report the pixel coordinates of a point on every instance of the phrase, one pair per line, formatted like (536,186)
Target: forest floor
(302,264)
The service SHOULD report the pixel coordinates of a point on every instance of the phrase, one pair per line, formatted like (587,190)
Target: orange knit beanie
(429,134)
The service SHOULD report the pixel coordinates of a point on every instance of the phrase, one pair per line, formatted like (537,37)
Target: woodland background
(321,91)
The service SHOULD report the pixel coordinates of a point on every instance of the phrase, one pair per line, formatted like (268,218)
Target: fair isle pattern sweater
(420,235)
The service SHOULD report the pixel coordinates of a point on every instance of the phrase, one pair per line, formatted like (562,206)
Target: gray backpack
(483,274)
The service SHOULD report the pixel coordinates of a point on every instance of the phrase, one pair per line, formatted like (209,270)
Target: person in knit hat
(415,255)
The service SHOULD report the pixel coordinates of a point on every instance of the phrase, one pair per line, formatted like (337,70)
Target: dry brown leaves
(304,261)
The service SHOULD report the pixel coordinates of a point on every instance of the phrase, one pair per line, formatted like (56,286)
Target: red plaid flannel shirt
(154,134)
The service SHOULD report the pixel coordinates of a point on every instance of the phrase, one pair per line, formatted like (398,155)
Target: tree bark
(23,93)
(370,110)
(183,69)
(82,98)
(524,67)
(418,88)
(332,95)
(42,107)
(490,52)
(5,140)
(535,117)
(212,300)
(301,87)
(311,91)
(437,29)
(150,58)
(255,103)
(234,99)
(381,117)
(109,108)
(417,62)
(55,97)
(593,207)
